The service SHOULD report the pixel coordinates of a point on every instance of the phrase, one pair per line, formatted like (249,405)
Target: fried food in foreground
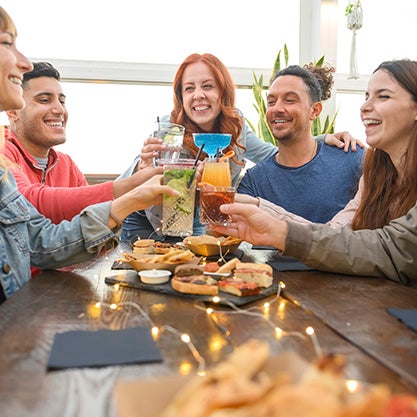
(239,387)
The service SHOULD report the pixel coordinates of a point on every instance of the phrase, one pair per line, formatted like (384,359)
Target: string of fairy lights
(124,307)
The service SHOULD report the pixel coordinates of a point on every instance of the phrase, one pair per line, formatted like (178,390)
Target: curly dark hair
(324,75)
(318,79)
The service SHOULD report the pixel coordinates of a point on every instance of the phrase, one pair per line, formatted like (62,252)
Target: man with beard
(310,179)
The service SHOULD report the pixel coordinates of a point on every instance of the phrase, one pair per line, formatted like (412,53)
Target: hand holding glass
(173,135)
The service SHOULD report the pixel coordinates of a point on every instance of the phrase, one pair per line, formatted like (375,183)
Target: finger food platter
(191,276)
(129,278)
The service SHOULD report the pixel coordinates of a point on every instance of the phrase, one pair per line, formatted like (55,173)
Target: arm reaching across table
(388,252)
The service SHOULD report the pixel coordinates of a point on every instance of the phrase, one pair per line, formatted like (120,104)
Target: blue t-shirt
(316,191)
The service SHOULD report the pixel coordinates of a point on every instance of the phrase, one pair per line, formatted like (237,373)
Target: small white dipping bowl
(154,276)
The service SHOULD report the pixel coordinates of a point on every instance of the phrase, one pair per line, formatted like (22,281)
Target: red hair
(228,121)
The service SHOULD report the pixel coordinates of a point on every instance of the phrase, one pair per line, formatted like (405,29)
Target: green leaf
(320,62)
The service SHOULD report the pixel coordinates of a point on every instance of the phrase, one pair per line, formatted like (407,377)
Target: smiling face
(289,110)
(389,115)
(201,95)
(41,124)
(12,67)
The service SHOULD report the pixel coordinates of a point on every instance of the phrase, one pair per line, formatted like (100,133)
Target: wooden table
(347,313)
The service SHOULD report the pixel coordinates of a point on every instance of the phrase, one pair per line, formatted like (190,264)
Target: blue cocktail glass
(213,142)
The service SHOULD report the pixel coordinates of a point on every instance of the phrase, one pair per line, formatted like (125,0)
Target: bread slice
(254,272)
(186,270)
(239,288)
(228,266)
(143,246)
(194,285)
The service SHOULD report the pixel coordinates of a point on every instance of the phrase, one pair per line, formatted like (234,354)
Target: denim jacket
(28,238)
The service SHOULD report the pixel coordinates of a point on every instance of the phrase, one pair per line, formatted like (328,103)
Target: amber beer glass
(215,190)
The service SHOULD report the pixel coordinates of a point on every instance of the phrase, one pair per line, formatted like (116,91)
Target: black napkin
(407,316)
(76,349)
(287,263)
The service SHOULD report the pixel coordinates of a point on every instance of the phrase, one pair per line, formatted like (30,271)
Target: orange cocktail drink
(217,172)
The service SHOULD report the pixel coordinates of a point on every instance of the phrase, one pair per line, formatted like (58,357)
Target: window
(140,42)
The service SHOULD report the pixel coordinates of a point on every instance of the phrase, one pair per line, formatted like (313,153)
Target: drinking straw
(197,158)
(217,153)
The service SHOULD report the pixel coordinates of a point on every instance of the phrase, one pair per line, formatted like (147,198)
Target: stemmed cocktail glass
(213,142)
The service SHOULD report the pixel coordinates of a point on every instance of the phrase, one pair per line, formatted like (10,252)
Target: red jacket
(59,193)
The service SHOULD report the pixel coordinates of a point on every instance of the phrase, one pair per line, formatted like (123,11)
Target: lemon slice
(169,139)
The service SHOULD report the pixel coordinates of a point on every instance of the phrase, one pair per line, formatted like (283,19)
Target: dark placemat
(288,263)
(132,280)
(76,349)
(407,316)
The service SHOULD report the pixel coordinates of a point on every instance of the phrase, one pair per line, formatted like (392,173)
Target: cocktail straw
(197,158)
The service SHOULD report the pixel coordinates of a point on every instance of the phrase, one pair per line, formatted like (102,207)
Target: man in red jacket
(49,179)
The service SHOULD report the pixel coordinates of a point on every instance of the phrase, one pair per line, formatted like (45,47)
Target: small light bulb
(185,338)
(155,331)
(309,330)
(113,306)
(98,304)
(352,385)
(209,311)
(216,299)
(278,332)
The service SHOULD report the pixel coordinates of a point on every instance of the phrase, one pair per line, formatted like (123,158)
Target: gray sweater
(390,252)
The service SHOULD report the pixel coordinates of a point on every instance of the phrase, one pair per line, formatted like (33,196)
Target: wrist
(279,232)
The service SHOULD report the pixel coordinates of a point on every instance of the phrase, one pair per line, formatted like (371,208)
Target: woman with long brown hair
(390,168)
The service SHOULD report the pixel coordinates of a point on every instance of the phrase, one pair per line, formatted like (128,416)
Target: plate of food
(235,282)
(208,245)
(167,261)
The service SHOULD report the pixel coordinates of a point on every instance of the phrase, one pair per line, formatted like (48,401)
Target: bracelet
(115,219)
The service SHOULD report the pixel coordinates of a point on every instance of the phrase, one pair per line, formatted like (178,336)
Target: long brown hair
(228,121)
(386,195)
